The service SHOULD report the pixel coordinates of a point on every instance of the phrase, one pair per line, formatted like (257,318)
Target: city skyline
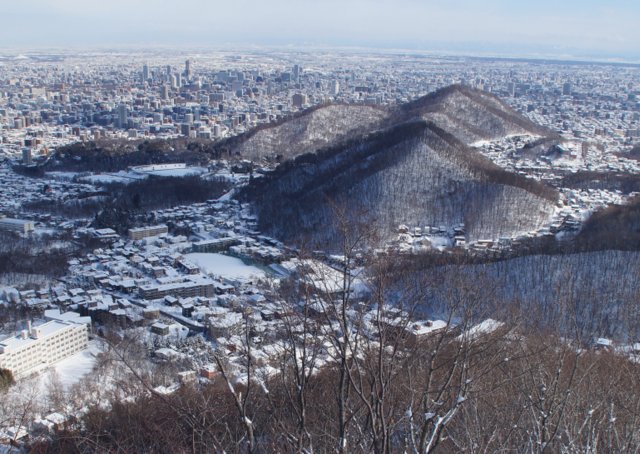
(580,30)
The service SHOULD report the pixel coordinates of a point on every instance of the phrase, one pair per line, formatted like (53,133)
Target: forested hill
(305,132)
(413,173)
(471,115)
(467,113)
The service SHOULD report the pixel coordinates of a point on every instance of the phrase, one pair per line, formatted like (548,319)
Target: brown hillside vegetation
(414,173)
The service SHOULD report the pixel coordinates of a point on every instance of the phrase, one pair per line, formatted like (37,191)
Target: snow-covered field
(103,178)
(64,176)
(70,370)
(224,266)
(178,172)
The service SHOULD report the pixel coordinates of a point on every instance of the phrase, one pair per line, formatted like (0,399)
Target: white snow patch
(70,370)
(64,176)
(106,179)
(178,172)
(224,266)
(486,327)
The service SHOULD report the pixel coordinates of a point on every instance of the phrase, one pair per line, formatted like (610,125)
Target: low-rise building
(16,225)
(146,232)
(160,329)
(226,324)
(178,289)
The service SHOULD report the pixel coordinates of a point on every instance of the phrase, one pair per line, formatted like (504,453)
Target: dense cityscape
(48,101)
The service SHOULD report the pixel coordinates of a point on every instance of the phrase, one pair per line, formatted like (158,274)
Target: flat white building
(37,348)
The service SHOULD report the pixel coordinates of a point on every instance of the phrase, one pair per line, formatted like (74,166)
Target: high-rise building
(185,129)
(335,88)
(297,71)
(298,100)
(164,93)
(26,156)
(123,116)
(566,89)
(145,73)
(187,70)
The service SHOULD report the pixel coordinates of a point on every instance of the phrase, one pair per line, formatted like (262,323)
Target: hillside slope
(560,292)
(471,115)
(414,173)
(313,129)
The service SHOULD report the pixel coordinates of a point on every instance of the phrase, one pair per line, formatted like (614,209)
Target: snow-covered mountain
(312,129)
(471,115)
(413,167)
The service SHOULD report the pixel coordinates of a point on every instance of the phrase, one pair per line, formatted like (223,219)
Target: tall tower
(335,87)
(123,116)
(26,156)
(187,70)
(297,70)
(145,73)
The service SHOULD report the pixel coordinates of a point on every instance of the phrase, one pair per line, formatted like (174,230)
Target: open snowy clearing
(224,266)
(107,179)
(177,172)
(70,370)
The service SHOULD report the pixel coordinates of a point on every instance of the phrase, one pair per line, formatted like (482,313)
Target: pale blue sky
(561,27)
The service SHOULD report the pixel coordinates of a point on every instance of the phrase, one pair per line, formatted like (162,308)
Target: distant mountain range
(409,165)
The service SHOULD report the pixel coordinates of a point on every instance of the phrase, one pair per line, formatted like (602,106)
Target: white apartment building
(146,232)
(16,225)
(36,348)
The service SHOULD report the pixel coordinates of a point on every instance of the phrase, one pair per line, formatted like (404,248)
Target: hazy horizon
(541,29)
